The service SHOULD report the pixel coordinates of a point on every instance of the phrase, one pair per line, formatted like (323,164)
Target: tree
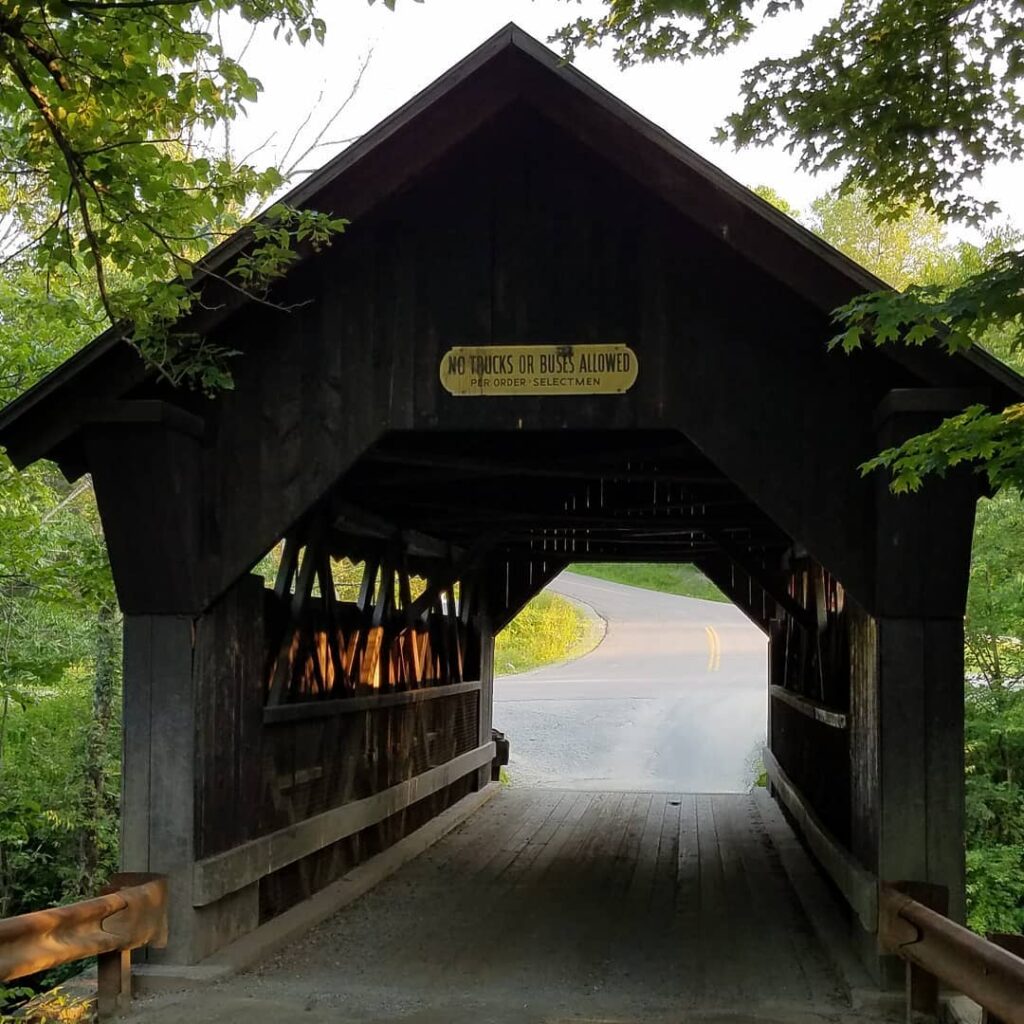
(107,169)
(911,102)
(994,719)
(58,673)
(900,252)
(60,669)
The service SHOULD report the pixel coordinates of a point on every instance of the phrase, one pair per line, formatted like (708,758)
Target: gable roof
(509,66)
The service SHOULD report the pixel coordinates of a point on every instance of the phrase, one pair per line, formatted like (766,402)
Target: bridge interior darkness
(629,496)
(570,496)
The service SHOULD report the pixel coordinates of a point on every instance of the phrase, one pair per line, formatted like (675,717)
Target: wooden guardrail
(812,709)
(910,921)
(305,710)
(217,876)
(943,951)
(130,914)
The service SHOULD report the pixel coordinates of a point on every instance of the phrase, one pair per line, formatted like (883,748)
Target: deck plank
(641,884)
(552,906)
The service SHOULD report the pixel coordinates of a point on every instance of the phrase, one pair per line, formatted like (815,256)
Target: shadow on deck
(558,906)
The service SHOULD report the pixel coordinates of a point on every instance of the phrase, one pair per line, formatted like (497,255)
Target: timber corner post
(158,775)
(907,761)
(193,695)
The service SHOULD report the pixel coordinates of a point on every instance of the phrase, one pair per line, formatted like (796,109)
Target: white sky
(419,41)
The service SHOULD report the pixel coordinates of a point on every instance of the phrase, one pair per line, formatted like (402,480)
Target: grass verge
(685,580)
(550,628)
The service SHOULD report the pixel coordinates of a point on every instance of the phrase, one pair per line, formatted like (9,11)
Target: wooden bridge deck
(557,906)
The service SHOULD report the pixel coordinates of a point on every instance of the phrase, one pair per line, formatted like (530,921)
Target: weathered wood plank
(858,886)
(556,847)
(351,705)
(811,708)
(217,876)
(642,882)
(714,910)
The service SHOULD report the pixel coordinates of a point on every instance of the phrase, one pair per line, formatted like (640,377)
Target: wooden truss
(402,631)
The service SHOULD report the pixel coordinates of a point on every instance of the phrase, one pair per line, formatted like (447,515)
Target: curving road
(673,699)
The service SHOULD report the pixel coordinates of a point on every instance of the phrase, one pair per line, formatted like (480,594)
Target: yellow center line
(714,649)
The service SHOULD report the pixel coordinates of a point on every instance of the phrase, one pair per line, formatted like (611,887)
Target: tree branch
(126,5)
(71,158)
(14,28)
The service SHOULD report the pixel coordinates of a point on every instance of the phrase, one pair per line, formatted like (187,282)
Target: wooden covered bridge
(551,334)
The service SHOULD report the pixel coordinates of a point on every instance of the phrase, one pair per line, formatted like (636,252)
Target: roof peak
(510,65)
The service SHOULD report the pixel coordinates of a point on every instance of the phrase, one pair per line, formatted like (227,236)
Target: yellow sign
(539,369)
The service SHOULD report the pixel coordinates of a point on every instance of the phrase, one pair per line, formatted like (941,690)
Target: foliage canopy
(918,246)
(108,174)
(912,101)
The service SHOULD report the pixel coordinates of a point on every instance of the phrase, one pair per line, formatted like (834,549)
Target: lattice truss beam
(404,629)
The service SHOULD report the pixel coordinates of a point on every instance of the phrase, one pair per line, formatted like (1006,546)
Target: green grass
(550,628)
(685,580)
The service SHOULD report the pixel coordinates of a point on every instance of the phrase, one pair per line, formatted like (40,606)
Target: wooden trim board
(215,877)
(811,708)
(858,885)
(350,705)
(282,931)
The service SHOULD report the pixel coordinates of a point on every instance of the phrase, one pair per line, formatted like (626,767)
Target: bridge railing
(937,949)
(909,919)
(131,913)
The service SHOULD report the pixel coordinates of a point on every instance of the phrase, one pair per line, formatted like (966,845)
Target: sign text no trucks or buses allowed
(499,370)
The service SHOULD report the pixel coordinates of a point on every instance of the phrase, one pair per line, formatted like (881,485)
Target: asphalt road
(673,699)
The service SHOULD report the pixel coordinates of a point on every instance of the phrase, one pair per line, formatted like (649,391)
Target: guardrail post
(922,988)
(113,983)
(1013,944)
(130,914)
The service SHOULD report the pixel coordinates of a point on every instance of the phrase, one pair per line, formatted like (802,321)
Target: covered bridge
(551,334)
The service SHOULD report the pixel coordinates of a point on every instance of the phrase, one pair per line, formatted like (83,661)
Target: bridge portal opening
(673,697)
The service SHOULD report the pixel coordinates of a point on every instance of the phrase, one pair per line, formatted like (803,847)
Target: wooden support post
(113,983)
(906,678)
(486,641)
(284,666)
(331,625)
(365,604)
(286,570)
(158,775)
(919,605)
(192,727)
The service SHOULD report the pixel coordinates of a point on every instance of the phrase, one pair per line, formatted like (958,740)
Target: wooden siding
(255,778)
